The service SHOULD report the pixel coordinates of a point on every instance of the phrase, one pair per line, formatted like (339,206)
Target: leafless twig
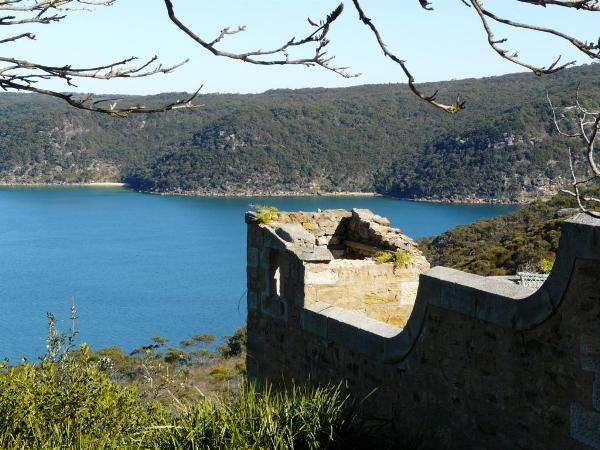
(586,124)
(588,5)
(320,37)
(431,99)
(277,56)
(24,75)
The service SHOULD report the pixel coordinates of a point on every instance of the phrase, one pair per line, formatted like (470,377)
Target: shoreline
(246,194)
(264,194)
(66,185)
(472,201)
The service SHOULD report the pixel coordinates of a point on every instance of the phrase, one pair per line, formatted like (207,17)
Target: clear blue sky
(443,44)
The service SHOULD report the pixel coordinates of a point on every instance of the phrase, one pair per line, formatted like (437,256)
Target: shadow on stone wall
(480,363)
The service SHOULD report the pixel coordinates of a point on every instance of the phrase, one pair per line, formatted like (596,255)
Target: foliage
(264,213)
(399,258)
(503,245)
(546,265)
(76,405)
(220,373)
(64,405)
(74,400)
(362,138)
(234,345)
(298,417)
(58,344)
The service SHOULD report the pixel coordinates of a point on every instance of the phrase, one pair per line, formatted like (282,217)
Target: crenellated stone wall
(480,363)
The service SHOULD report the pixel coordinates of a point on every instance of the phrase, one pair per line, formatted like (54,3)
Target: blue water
(143,265)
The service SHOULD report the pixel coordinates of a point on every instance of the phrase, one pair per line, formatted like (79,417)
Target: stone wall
(480,363)
(379,290)
(337,248)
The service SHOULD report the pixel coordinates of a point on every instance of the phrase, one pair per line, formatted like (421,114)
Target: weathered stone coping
(486,299)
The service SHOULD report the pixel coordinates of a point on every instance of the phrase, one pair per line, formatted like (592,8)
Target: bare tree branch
(262,57)
(319,37)
(88,102)
(431,99)
(23,75)
(587,122)
(16,73)
(590,49)
(588,5)
(17,37)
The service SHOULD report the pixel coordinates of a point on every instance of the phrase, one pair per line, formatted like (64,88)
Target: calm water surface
(143,265)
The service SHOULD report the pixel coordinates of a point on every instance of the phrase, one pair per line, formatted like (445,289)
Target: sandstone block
(362,215)
(596,394)
(338,253)
(314,253)
(379,297)
(381,220)
(585,426)
(252,300)
(326,276)
(294,234)
(310,226)
(590,353)
(335,240)
(323,240)
(408,292)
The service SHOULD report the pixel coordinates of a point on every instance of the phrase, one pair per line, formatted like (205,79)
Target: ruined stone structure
(474,363)
(337,250)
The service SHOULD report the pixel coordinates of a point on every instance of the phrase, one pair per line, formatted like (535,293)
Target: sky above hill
(447,43)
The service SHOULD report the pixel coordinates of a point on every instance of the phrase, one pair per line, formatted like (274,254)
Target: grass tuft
(399,258)
(265,213)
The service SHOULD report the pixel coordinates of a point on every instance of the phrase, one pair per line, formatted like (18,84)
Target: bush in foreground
(74,404)
(69,404)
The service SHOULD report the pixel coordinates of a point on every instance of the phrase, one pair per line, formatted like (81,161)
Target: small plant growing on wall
(264,213)
(546,265)
(399,258)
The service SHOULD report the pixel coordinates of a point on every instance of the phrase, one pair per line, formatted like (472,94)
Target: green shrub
(546,265)
(175,356)
(234,345)
(63,405)
(399,258)
(383,257)
(264,213)
(75,405)
(505,244)
(69,400)
(220,373)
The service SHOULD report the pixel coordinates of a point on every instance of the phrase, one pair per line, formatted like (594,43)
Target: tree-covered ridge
(523,240)
(366,138)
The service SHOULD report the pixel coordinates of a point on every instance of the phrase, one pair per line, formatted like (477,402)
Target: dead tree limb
(24,75)
(584,124)
(279,54)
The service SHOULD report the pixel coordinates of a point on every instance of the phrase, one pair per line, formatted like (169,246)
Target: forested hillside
(524,240)
(367,138)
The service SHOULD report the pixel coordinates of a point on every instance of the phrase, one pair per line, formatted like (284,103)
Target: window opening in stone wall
(275,275)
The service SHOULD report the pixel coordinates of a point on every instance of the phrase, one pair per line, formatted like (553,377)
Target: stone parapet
(479,363)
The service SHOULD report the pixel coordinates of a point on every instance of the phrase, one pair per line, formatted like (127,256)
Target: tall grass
(297,418)
(75,405)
